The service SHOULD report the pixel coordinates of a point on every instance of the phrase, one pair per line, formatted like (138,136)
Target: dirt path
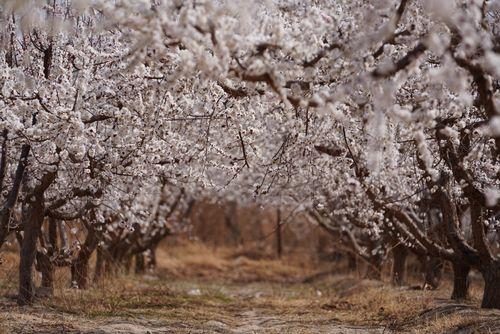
(186,307)
(155,305)
(207,293)
(14,319)
(250,322)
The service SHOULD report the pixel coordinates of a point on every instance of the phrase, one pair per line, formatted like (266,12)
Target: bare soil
(197,290)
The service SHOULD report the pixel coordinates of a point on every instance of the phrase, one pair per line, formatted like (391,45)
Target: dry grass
(444,324)
(195,286)
(200,261)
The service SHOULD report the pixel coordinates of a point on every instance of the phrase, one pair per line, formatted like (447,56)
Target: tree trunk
(62,234)
(399,254)
(231,220)
(126,264)
(152,258)
(140,266)
(491,294)
(46,267)
(460,281)
(374,269)
(32,226)
(79,273)
(279,244)
(44,260)
(52,235)
(10,201)
(109,268)
(433,271)
(99,264)
(80,266)
(352,262)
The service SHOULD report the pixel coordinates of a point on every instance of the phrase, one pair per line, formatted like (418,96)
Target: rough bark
(80,266)
(99,263)
(32,226)
(433,272)
(44,259)
(46,267)
(399,254)
(8,206)
(3,159)
(491,294)
(460,280)
(52,235)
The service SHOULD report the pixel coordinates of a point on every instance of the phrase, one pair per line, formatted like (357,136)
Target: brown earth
(201,290)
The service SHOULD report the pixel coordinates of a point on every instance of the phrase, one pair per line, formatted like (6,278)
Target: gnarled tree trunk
(8,205)
(99,265)
(491,294)
(44,258)
(140,265)
(399,254)
(46,267)
(80,266)
(460,280)
(32,225)
(433,272)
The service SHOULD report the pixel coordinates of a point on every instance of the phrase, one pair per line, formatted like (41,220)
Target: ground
(199,290)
